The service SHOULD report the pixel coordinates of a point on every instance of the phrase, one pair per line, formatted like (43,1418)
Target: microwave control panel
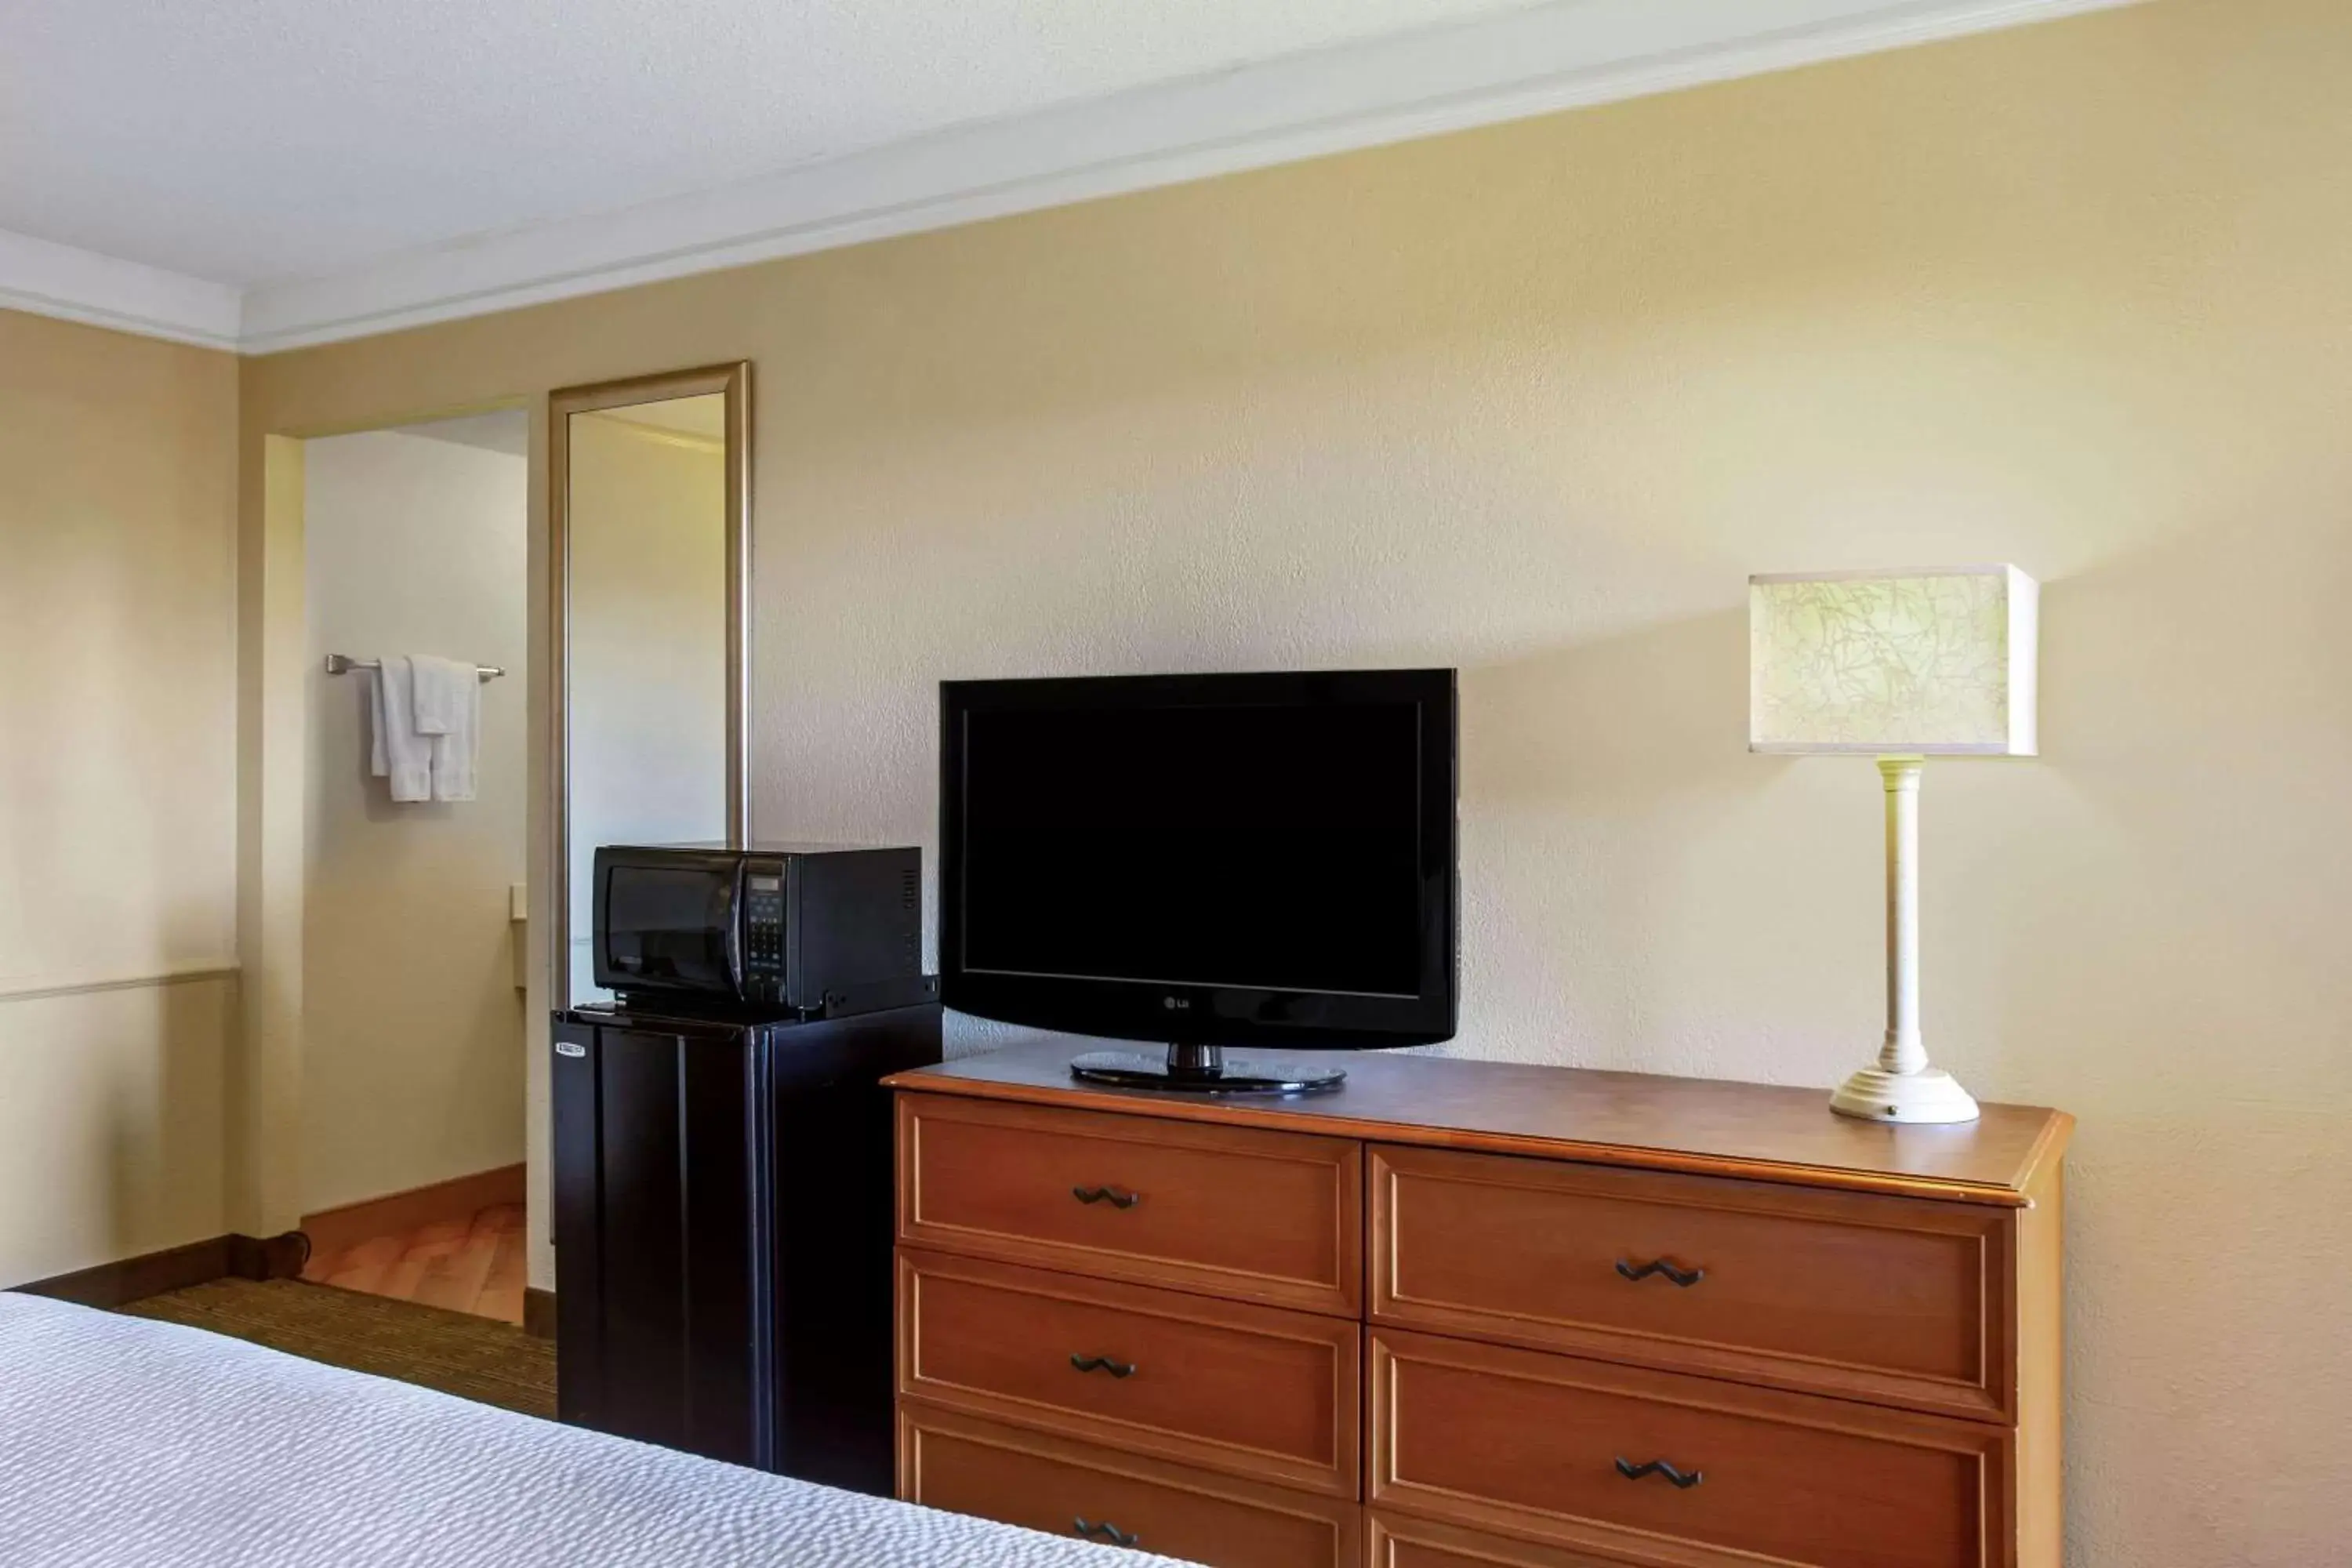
(763,932)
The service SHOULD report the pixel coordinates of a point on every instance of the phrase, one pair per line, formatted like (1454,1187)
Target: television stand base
(1204,1069)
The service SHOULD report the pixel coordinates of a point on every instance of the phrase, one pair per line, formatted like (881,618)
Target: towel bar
(343,663)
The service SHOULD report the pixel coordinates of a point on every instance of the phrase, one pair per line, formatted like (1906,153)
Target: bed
(129,1444)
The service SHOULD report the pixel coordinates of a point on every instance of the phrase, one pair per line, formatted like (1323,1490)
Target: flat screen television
(1203,861)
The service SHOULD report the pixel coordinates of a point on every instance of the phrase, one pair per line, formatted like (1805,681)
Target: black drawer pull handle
(1686,1479)
(1110,1195)
(1103,1363)
(1686,1277)
(1107,1530)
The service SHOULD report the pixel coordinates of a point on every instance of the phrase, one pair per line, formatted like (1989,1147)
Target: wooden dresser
(1479,1315)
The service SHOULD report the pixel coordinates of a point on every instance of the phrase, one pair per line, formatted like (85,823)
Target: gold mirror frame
(733,382)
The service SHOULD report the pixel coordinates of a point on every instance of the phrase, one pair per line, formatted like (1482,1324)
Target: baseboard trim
(397,1214)
(132,1280)
(269,1257)
(539,1313)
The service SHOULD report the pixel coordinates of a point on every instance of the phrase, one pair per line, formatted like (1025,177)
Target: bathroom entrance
(417,584)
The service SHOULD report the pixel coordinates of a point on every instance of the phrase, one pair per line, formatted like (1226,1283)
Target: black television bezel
(1220,1015)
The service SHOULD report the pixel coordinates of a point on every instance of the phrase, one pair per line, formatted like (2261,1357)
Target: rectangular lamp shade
(1935,662)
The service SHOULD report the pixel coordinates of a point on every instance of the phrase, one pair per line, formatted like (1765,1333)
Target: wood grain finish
(1873,1297)
(1255,1390)
(2040,1336)
(1527,1444)
(398,1214)
(473,1263)
(1401,1540)
(1862,1368)
(950,1460)
(1704,1125)
(1244,1215)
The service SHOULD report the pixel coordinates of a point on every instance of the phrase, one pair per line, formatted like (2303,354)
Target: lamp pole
(1902,1053)
(1902,1087)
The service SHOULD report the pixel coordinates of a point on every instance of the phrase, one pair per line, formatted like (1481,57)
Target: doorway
(416,542)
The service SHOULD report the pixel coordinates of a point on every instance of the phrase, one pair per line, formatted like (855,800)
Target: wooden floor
(468,1265)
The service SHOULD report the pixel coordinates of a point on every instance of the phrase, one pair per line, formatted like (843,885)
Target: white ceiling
(249,141)
(274,172)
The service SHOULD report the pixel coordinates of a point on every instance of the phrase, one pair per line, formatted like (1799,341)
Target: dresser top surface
(1760,1131)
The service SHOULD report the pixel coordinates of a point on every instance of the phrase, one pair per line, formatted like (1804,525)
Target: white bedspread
(128,1444)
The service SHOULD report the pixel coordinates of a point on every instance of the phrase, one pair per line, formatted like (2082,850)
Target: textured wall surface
(1534,400)
(411,1027)
(118,791)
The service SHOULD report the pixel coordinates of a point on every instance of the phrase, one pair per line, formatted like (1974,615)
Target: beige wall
(1534,400)
(118,781)
(110,1124)
(412,1024)
(645,642)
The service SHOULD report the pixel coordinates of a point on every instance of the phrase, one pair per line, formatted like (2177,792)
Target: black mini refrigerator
(723,1233)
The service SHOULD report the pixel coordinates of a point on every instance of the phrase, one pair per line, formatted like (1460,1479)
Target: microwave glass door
(669,925)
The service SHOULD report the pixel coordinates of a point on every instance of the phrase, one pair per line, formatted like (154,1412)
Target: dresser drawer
(1401,1540)
(1535,1445)
(1251,1390)
(1896,1300)
(1260,1216)
(953,1461)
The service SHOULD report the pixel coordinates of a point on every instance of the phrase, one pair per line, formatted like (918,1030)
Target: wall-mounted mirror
(649,510)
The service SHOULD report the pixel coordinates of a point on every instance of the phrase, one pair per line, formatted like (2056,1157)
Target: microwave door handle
(736,980)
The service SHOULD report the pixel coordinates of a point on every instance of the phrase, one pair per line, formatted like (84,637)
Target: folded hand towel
(396,752)
(449,708)
(444,688)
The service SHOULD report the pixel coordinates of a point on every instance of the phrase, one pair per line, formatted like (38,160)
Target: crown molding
(76,285)
(1558,55)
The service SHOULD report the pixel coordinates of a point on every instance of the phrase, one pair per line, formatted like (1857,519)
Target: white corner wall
(413,1062)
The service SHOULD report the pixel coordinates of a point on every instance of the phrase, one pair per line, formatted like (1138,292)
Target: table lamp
(1901,665)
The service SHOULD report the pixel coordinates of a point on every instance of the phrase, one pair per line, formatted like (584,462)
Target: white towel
(449,708)
(396,752)
(443,689)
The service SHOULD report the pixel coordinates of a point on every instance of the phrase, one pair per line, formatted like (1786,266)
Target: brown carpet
(474,1358)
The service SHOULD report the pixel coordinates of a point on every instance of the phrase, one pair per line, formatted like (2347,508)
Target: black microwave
(808,928)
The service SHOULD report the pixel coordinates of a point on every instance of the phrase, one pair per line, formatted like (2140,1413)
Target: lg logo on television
(1175,1004)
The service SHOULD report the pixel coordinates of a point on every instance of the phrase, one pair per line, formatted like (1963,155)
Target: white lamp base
(1929,1094)
(1902,1087)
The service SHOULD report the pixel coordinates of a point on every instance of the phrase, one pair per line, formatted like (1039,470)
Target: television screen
(1262,854)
